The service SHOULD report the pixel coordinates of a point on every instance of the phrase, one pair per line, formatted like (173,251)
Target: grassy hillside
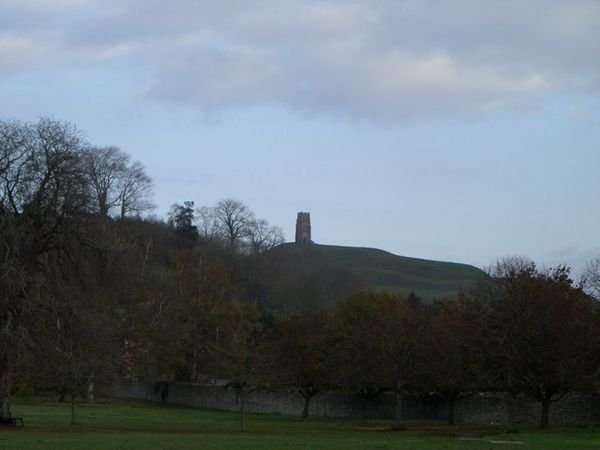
(338,270)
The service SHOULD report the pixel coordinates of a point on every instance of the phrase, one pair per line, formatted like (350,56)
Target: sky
(455,130)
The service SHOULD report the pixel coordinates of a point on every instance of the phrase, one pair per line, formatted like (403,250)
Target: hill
(313,276)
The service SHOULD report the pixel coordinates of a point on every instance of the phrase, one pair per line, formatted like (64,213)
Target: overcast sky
(456,130)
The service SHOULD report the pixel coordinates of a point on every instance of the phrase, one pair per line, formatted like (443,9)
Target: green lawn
(116,425)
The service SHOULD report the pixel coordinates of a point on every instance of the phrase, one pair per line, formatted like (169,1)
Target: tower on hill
(303,228)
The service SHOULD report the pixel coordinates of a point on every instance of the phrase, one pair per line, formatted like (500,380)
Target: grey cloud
(235,76)
(557,37)
(358,59)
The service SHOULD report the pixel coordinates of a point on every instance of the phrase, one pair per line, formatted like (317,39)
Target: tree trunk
(62,395)
(5,388)
(102,206)
(363,405)
(194,371)
(511,405)
(90,393)
(73,418)
(398,411)
(451,410)
(163,391)
(305,412)
(545,413)
(243,411)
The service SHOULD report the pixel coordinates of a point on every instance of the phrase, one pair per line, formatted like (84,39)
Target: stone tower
(303,228)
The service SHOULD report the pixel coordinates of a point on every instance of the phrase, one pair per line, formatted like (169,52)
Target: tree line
(90,292)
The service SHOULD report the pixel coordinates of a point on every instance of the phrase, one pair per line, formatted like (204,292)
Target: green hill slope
(312,276)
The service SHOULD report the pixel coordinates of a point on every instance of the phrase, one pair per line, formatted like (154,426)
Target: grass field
(382,270)
(118,425)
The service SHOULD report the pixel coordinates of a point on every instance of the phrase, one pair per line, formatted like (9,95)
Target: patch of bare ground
(436,429)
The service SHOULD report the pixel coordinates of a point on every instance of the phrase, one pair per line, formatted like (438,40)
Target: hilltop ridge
(316,276)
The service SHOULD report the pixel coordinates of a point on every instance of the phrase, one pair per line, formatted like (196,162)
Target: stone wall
(500,408)
(486,408)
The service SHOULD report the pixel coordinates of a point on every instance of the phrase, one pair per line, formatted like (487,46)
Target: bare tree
(235,224)
(591,278)
(509,266)
(264,236)
(135,190)
(235,220)
(43,190)
(118,186)
(105,167)
(208,224)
